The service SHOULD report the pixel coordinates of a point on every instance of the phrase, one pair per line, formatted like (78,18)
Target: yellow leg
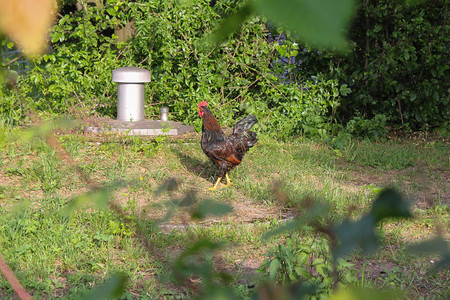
(229,183)
(215,186)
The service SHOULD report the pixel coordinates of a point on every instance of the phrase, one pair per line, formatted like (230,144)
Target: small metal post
(130,92)
(164,111)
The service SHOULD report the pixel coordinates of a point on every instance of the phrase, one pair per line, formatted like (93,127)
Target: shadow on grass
(205,170)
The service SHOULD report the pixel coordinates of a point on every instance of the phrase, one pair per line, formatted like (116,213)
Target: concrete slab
(143,127)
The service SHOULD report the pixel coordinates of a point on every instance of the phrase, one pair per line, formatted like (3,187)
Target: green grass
(54,255)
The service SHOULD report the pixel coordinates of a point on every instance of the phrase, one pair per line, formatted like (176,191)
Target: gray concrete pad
(143,127)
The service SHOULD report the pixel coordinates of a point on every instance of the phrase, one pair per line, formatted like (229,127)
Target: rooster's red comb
(203,103)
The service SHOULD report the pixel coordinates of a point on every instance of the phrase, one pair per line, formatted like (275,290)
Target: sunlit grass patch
(277,181)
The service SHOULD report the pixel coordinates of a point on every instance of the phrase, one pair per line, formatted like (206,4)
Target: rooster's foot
(215,185)
(229,183)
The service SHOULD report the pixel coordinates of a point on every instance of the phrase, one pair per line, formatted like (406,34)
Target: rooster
(226,152)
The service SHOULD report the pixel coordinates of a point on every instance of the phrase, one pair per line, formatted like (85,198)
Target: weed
(308,261)
(47,171)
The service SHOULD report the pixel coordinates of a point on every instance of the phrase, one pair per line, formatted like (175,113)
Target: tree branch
(20,291)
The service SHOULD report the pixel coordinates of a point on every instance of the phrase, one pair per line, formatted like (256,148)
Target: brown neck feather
(209,121)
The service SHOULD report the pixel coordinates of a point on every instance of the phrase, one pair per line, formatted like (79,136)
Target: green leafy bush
(10,108)
(396,73)
(171,39)
(308,261)
(13,105)
(307,108)
(398,66)
(77,72)
(370,128)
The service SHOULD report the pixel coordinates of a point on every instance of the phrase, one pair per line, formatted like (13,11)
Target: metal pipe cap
(131,75)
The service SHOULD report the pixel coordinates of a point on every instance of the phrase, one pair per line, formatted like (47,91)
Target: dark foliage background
(395,74)
(398,66)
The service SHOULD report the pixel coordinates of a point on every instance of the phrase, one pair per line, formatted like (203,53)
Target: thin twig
(233,55)
(20,291)
(400,111)
(76,95)
(122,51)
(265,121)
(65,157)
(14,60)
(142,61)
(158,103)
(271,83)
(189,44)
(240,87)
(54,143)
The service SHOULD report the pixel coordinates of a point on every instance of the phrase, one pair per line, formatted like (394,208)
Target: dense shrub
(238,77)
(13,105)
(398,66)
(395,75)
(77,71)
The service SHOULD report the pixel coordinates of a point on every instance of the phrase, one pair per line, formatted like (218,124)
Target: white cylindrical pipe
(130,92)
(130,102)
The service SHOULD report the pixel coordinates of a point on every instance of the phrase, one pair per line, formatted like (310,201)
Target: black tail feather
(251,139)
(245,124)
